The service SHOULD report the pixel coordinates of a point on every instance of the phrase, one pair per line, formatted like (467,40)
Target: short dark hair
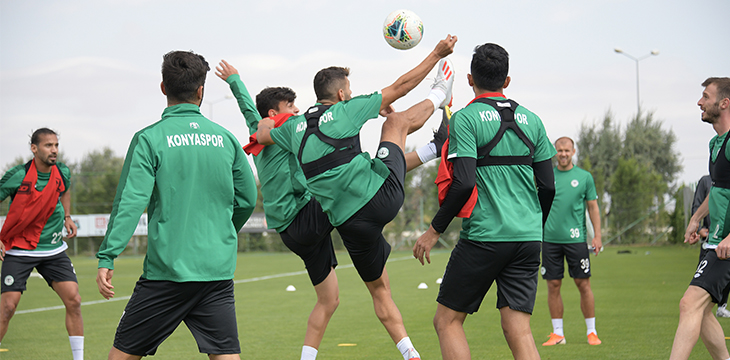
(489,66)
(183,72)
(723,86)
(35,139)
(270,97)
(328,81)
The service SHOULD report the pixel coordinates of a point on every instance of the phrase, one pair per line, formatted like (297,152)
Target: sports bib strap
(506,109)
(345,149)
(720,169)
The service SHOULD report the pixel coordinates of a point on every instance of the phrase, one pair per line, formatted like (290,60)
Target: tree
(677,219)
(652,146)
(598,152)
(648,164)
(95,183)
(633,193)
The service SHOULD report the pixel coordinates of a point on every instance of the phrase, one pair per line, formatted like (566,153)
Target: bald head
(565,141)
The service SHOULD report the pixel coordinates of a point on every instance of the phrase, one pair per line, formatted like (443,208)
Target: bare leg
(327,301)
(398,125)
(693,309)
(68,291)
(385,307)
(516,328)
(587,303)
(712,335)
(555,300)
(224,357)
(449,325)
(116,354)
(8,303)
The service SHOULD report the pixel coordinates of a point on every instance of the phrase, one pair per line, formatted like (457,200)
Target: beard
(712,113)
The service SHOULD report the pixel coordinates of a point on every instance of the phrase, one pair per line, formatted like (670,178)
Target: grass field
(637,297)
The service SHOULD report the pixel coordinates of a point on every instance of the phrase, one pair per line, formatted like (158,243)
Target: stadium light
(211,103)
(652,53)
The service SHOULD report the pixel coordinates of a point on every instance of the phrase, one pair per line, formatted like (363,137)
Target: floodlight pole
(654,53)
(211,103)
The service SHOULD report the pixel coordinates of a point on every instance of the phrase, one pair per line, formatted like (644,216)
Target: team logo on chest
(574,183)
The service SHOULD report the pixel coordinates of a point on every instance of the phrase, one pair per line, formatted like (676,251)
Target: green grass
(637,298)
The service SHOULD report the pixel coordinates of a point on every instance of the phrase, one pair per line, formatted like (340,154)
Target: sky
(91,69)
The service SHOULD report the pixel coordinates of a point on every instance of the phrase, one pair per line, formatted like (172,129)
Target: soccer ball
(403,29)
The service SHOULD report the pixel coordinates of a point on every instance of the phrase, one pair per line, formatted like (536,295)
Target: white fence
(92,225)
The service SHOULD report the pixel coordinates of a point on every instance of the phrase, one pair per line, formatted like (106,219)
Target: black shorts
(475,265)
(17,269)
(309,237)
(577,256)
(156,308)
(713,275)
(362,233)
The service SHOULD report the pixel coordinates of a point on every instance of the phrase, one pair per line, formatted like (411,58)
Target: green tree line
(634,168)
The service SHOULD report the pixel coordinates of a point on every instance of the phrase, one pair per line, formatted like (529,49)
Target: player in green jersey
(501,148)
(713,273)
(565,238)
(361,194)
(193,178)
(48,255)
(290,208)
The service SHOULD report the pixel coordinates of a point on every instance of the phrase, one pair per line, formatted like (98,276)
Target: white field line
(242,281)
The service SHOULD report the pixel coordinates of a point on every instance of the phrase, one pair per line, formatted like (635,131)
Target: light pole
(211,103)
(653,52)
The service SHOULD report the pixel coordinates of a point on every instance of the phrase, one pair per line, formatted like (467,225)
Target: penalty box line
(242,281)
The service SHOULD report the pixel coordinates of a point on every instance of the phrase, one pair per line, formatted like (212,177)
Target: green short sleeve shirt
(51,236)
(507,207)
(343,190)
(566,223)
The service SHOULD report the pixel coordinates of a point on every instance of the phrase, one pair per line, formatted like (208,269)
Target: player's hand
(597,245)
(445,47)
(424,244)
(104,281)
(704,232)
(387,111)
(691,236)
(224,70)
(266,122)
(2,251)
(723,249)
(71,228)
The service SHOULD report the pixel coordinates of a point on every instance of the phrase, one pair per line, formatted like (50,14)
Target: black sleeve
(703,189)
(545,181)
(465,172)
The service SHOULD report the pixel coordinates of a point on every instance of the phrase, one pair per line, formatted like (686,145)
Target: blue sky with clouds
(90,69)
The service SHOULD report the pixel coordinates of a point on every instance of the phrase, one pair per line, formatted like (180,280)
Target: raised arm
(246,105)
(411,79)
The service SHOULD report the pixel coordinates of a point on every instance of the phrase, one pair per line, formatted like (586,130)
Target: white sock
(558,327)
(437,97)
(308,353)
(427,152)
(404,345)
(77,347)
(591,326)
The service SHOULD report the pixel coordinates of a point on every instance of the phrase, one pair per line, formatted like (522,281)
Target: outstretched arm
(246,105)
(411,79)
